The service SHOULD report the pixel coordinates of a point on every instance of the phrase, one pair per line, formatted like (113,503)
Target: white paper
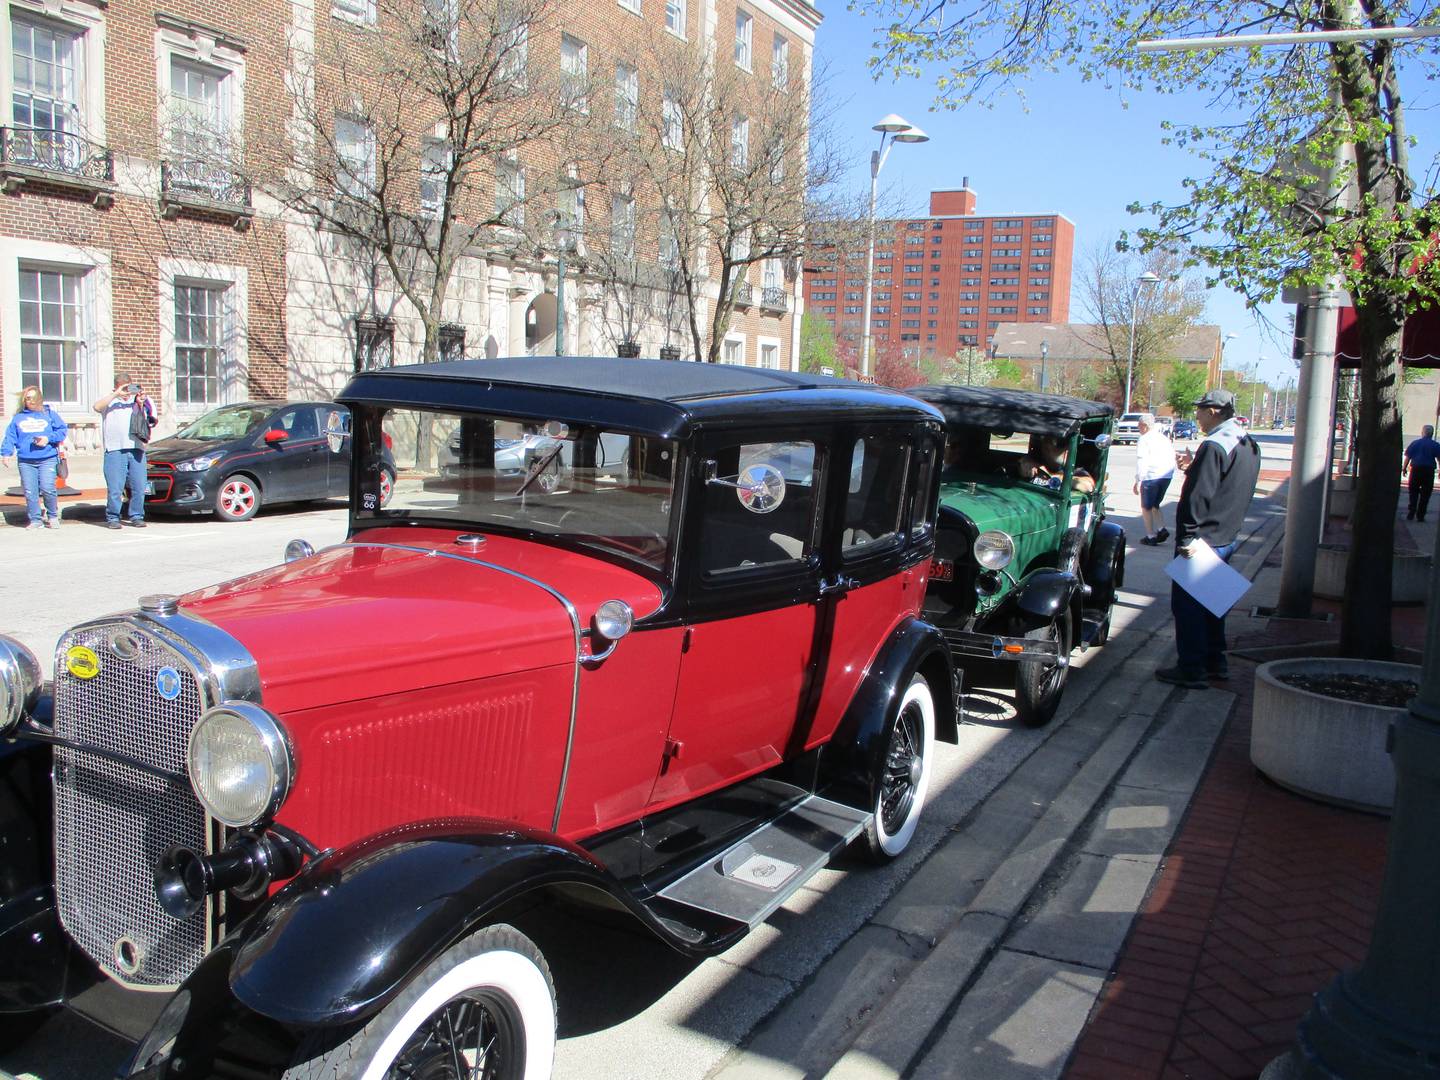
(1208,578)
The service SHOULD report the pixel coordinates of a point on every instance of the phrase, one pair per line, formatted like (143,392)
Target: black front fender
(850,761)
(1044,596)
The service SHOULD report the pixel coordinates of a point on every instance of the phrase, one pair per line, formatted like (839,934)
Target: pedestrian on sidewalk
(1219,483)
(126,418)
(34,436)
(1154,468)
(1420,458)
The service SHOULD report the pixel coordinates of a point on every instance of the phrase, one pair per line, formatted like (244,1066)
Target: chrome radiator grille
(113,821)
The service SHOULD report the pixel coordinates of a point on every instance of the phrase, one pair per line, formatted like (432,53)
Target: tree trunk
(1365,617)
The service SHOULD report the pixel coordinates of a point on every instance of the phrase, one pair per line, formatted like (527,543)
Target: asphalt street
(659,1015)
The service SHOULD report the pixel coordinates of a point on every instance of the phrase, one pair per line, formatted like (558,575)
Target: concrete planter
(1324,747)
(1342,502)
(1409,574)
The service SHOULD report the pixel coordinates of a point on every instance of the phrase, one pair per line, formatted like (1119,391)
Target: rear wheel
(483,1010)
(1040,682)
(387,487)
(904,774)
(238,498)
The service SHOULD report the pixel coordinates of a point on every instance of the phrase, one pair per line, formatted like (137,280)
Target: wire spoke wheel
(902,775)
(472,1037)
(903,763)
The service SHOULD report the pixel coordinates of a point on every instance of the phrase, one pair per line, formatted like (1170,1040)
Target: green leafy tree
(817,345)
(1183,387)
(1269,213)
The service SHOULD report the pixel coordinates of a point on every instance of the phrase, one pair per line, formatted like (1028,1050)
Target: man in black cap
(1219,483)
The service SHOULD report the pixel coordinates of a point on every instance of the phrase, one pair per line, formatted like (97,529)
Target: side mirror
(276,435)
(1102,442)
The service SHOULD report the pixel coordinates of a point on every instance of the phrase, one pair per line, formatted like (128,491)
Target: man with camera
(126,417)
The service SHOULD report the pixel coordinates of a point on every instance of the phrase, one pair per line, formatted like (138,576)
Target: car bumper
(180,491)
(978,646)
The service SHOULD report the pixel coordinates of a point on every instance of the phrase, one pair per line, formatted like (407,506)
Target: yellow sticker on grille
(82,662)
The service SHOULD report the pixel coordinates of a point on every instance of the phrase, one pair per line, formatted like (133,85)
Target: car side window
(879,471)
(745,528)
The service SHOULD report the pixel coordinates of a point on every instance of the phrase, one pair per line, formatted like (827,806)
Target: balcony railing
(774,298)
(54,156)
(743,293)
(206,186)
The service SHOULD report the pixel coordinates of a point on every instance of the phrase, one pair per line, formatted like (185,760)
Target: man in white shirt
(124,453)
(1154,468)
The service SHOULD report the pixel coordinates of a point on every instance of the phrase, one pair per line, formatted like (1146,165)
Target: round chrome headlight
(240,764)
(613,619)
(994,549)
(19,683)
(296,550)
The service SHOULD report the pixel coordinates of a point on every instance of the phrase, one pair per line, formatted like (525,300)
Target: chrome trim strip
(574,624)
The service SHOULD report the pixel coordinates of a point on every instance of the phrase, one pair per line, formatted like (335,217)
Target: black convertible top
(1010,410)
(660,397)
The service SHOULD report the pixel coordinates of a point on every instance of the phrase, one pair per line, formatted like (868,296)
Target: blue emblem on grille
(167,683)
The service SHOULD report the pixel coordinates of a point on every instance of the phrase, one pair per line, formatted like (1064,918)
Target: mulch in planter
(1365,689)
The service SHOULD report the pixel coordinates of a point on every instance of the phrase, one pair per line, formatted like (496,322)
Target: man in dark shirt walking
(1420,458)
(1219,483)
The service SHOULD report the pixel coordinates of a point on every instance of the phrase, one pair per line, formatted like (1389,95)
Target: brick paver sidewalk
(1263,897)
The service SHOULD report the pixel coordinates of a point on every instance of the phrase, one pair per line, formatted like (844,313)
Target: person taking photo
(126,417)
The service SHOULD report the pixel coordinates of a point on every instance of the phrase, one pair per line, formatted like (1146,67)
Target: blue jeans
(1199,635)
(38,478)
(122,467)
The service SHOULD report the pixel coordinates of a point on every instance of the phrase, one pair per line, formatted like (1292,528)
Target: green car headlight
(994,549)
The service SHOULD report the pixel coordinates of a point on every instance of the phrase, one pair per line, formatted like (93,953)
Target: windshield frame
(370,453)
(266,410)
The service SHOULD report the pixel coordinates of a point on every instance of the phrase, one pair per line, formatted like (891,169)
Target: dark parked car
(1186,429)
(237,457)
(326,813)
(1026,565)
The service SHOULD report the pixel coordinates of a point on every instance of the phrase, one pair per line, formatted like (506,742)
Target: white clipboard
(1208,578)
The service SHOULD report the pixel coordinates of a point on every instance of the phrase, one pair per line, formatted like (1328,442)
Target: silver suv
(1127,428)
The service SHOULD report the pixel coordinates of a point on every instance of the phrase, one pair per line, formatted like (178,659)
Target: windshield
(605,489)
(229,422)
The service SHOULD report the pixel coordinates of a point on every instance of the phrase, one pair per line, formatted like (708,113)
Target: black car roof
(659,397)
(1013,410)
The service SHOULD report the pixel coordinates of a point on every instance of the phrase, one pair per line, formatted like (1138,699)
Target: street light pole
(1146,278)
(1044,358)
(892,129)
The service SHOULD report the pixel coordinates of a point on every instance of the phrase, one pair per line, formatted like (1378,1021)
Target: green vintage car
(1026,566)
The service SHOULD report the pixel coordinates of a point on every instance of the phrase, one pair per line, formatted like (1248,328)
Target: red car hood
(361,620)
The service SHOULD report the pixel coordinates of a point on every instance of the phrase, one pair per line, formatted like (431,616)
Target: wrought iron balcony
(743,293)
(49,155)
(774,298)
(207,186)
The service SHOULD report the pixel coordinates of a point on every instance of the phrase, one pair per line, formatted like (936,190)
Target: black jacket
(1218,487)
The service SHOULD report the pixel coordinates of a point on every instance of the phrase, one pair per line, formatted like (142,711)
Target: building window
(670,245)
(434,171)
(770,356)
(627,96)
(360,11)
(52,333)
(1040,252)
(914,268)
(631,5)
(733,351)
(740,142)
(882,324)
(780,62)
(515,53)
(45,94)
(374,342)
(1036,310)
(744,32)
(451,342)
(199,344)
(574,73)
(354,157)
(622,225)
(199,127)
(675,16)
(509,193)
(672,121)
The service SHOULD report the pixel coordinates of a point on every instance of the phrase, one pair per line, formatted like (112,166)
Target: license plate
(149,487)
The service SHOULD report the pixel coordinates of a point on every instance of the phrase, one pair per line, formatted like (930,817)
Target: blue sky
(1080,150)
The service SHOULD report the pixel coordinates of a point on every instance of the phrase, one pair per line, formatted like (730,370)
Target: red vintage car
(318,806)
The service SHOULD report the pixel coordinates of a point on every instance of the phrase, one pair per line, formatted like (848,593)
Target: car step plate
(754,876)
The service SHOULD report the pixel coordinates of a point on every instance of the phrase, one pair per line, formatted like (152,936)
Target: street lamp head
(891,124)
(914,135)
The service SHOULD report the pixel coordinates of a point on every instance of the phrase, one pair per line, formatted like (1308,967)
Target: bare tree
(1110,297)
(408,144)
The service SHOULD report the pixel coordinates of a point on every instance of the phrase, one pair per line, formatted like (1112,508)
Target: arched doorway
(540,325)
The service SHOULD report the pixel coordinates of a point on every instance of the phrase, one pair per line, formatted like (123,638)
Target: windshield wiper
(539,466)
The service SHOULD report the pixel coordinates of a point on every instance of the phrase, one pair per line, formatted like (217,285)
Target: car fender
(1043,596)
(849,762)
(1105,569)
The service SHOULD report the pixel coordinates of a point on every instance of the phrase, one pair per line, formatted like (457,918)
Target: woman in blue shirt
(34,436)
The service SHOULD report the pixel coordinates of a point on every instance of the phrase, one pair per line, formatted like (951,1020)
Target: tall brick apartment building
(948,281)
(126,246)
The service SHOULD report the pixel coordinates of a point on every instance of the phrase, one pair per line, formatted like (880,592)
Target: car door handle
(837,585)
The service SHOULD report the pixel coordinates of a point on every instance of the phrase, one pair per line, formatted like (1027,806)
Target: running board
(757,874)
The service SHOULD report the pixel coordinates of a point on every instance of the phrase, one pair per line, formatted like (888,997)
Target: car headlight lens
(199,464)
(19,683)
(613,619)
(240,764)
(994,549)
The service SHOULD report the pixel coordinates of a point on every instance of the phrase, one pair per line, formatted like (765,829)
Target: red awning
(1420,347)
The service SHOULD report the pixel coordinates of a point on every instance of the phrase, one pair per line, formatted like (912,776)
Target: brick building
(948,281)
(126,245)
